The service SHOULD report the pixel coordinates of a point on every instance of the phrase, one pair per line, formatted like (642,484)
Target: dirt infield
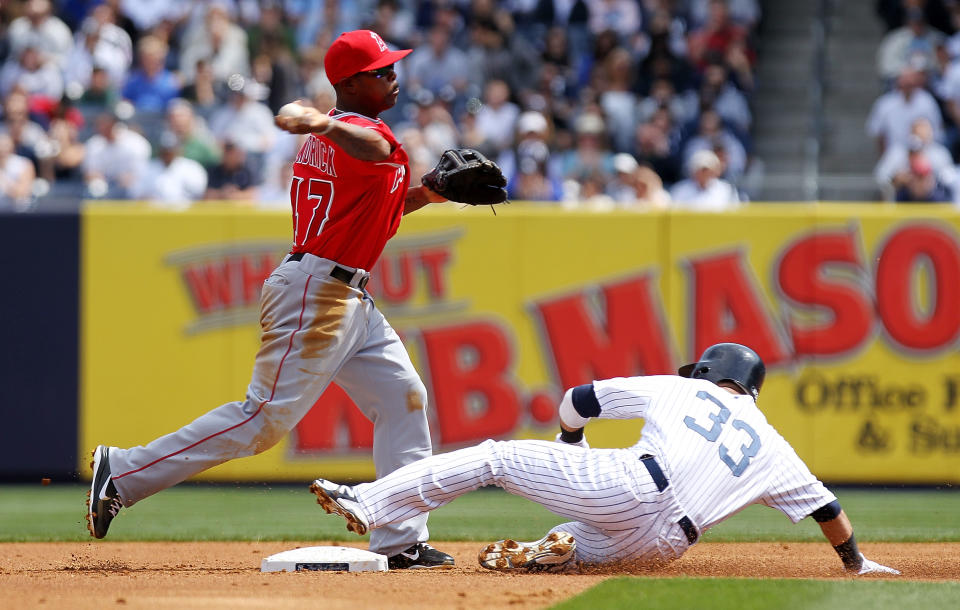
(160,575)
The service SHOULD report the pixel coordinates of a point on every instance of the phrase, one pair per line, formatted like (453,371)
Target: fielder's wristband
(571,437)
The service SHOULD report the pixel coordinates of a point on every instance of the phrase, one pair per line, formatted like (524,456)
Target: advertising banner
(855,309)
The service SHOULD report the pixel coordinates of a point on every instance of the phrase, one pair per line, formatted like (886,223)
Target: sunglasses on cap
(380,72)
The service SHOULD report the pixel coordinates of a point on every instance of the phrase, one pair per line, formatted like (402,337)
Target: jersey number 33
(720,418)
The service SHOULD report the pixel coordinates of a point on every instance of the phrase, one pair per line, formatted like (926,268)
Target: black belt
(338,272)
(660,480)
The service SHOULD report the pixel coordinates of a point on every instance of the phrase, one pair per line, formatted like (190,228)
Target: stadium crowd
(916,120)
(603,103)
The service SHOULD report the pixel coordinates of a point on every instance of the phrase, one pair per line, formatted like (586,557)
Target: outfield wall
(855,309)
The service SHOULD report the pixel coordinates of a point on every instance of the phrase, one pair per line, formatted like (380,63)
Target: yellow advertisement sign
(856,311)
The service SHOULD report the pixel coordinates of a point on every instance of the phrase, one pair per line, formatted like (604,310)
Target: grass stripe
(263,512)
(746,594)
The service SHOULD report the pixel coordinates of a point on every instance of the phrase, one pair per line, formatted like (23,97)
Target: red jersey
(345,209)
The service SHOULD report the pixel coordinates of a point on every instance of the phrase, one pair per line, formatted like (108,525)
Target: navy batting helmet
(729,362)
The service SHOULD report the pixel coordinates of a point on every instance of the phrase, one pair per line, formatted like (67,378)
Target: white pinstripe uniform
(715,451)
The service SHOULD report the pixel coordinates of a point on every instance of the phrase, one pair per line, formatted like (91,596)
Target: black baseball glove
(466,176)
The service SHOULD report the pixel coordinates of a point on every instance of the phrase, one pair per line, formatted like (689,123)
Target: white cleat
(340,500)
(552,552)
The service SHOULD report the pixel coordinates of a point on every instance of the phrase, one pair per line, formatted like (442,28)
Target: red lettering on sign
(633,341)
(801,278)
(899,260)
(434,262)
(332,413)
(727,307)
(396,278)
(473,394)
(234,282)
(210,286)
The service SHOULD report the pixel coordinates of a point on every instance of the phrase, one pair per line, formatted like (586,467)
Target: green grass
(743,594)
(199,512)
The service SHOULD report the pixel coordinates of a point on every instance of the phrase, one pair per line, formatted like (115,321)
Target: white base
(325,559)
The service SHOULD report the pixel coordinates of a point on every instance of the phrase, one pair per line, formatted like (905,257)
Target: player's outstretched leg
(551,553)
(103,501)
(340,500)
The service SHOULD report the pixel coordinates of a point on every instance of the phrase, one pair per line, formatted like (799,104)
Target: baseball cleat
(420,555)
(103,501)
(551,552)
(340,500)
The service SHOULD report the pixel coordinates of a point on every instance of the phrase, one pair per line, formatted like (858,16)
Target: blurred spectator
(276,70)
(663,50)
(894,12)
(234,178)
(29,138)
(496,52)
(437,125)
(219,41)
(894,112)
(271,30)
(953,42)
(313,76)
(718,35)
(422,159)
(919,184)
(100,93)
(622,187)
(704,190)
(717,92)
(614,79)
(588,192)
(648,190)
(17,177)
(248,122)
(894,166)
(195,140)
(151,86)
(438,66)
(68,150)
(99,44)
(204,92)
(682,108)
(33,72)
(743,12)
(115,159)
(712,135)
(531,183)
(591,154)
(395,23)
(497,118)
(532,138)
(620,16)
(658,145)
(40,29)
(171,180)
(149,14)
(914,44)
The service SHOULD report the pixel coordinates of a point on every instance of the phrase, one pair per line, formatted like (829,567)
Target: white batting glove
(582,443)
(872,567)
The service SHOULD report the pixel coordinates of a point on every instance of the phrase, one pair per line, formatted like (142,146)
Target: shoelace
(113,506)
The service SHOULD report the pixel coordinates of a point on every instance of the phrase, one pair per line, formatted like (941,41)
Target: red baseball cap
(358,51)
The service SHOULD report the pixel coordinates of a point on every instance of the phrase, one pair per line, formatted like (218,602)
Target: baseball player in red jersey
(350,188)
(706,453)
